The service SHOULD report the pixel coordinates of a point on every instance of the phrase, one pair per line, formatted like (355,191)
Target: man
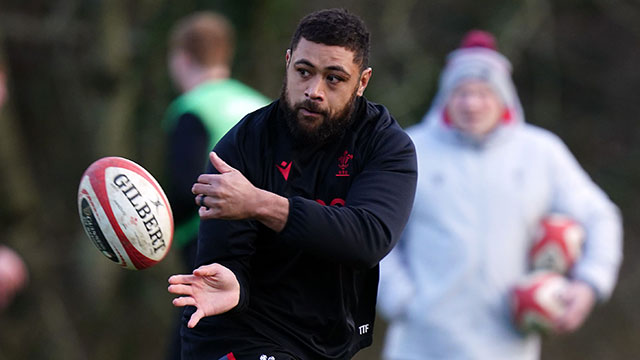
(200,54)
(486,180)
(299,211)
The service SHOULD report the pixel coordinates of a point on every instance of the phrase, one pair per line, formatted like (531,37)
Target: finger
(219,164)
(203,183)
(198,189)
(180,289)
(208,270)
(560,325)
(181,279)
(208,213)
(184,301)
(572,318)
(193,321)
(200,200)
(206,186)
(568,295)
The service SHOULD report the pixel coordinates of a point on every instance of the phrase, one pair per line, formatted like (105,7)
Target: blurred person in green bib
(201,49)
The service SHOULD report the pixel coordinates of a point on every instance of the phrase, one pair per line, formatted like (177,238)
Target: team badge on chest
(343,163)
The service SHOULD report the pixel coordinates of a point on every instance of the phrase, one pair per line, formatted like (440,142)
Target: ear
(179,66)
(183,58)
(287,58)
(364,80)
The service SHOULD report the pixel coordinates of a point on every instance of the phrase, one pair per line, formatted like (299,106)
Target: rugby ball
(537,301)
(557,243)
(125,213)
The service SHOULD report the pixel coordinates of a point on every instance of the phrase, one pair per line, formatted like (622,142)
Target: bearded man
(304,198)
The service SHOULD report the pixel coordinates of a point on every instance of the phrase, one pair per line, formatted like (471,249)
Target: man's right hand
(213,289)
(229,195)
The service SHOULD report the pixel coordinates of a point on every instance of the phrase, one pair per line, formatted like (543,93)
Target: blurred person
(3,85)
(486,180)
(200,55)
(201,48)
(296,210)
(13,272)
(13,275)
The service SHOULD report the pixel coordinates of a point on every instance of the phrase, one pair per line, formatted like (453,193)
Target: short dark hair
(335,27)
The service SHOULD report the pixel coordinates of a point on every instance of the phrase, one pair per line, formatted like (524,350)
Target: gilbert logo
(285,168)
(343,163)
(156,203)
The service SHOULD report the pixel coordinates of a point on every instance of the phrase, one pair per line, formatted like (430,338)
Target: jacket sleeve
(376,208)
(577,195)
(231,244)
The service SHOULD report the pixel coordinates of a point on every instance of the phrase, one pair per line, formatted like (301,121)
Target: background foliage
(88,79)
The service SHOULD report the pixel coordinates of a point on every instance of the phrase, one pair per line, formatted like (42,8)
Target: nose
(315,90)
(471,102)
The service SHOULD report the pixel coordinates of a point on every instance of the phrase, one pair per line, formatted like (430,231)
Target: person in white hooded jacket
(485,180)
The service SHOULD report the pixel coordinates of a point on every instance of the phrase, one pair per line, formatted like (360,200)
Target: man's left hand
(580,299)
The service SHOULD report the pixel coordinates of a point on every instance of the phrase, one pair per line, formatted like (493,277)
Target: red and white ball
(125,212)
(537,301)
(557,244)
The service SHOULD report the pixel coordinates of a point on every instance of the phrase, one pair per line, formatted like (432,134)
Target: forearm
(602,255)
(231,244)
(362,231)
(349,235)
(272,210)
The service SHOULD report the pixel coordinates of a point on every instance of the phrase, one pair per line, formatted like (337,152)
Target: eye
(303,72)
(334,79)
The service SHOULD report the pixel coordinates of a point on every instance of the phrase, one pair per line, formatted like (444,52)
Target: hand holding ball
(538,301)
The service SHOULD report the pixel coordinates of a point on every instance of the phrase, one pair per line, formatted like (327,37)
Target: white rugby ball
(125,212)
(557,244)
(537,301)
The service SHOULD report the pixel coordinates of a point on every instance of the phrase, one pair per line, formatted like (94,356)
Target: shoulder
(381,140)
(533,135)
(244,88)
(379,126)
(421,132)
(173,112)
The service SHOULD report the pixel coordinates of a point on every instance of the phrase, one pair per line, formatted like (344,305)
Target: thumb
(219,164)
(195,318)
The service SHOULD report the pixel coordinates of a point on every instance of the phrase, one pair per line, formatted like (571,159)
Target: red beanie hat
(479,38)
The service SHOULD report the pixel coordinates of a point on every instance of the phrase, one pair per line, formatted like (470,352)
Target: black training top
(311,288)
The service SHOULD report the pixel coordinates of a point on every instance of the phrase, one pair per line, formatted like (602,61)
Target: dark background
(88,79)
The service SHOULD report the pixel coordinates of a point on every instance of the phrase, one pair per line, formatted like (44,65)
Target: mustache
(311,106)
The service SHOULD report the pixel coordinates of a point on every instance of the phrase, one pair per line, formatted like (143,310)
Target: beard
(329,127)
